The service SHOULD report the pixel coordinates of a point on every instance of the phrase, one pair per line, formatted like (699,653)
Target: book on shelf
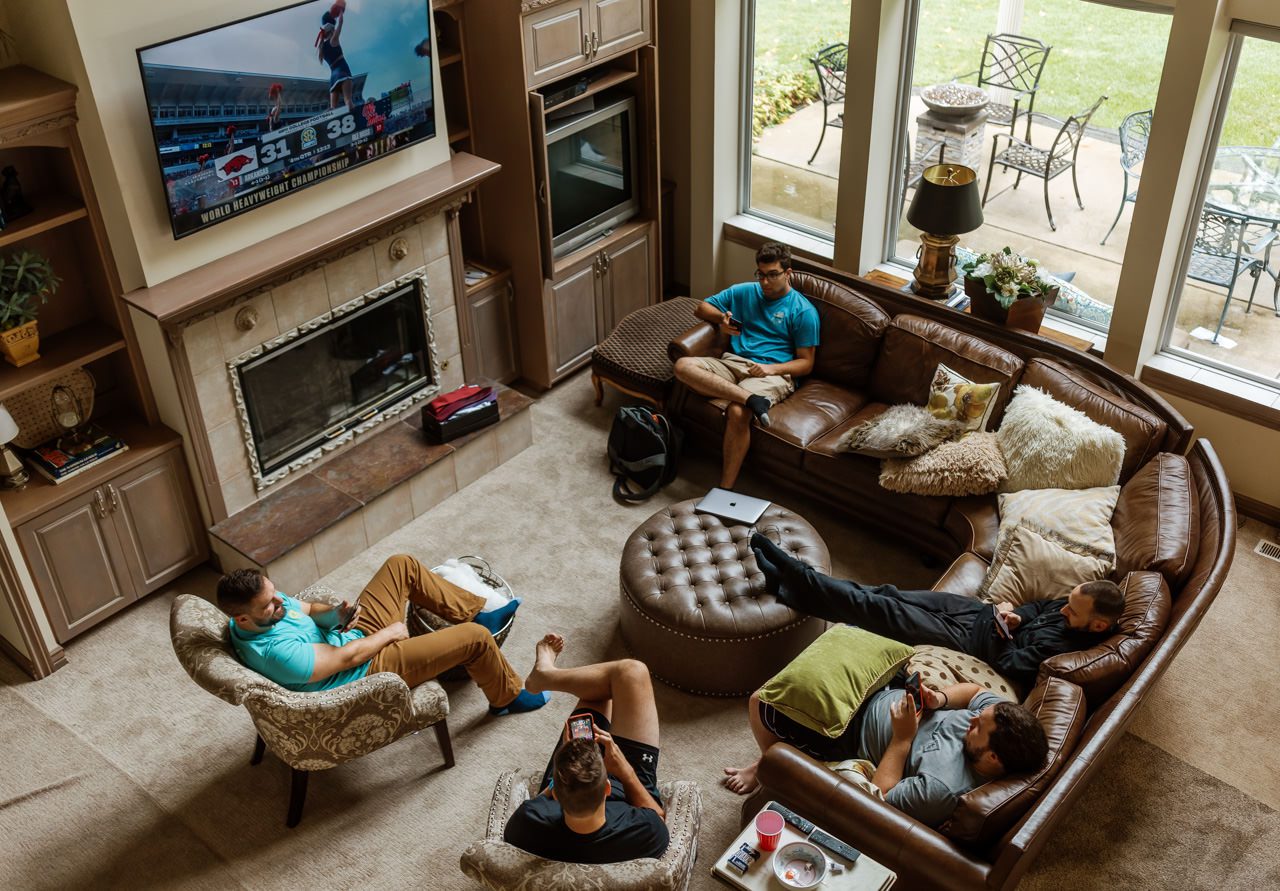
(58,465)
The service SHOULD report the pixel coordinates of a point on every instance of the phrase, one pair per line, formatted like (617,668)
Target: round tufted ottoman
(694,608)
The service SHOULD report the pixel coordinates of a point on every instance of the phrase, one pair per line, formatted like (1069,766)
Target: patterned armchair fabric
(308,731)
(503,867)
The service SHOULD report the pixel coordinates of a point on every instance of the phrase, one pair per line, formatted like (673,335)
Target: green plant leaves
(26,281)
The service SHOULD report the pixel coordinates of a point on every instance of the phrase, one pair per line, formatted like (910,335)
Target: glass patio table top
(1245,180)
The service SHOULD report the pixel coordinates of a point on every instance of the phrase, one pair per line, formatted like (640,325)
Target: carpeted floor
(123,773)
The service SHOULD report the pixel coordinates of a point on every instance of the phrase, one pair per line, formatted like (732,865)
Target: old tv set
(251,111)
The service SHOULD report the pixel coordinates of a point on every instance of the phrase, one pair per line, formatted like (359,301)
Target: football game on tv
(251,111)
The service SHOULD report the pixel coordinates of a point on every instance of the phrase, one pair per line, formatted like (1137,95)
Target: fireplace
(319,385)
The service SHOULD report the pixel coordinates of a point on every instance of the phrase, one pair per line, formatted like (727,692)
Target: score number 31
(274,151)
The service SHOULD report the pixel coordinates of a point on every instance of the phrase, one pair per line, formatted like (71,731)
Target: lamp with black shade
(945,206)
(12,474)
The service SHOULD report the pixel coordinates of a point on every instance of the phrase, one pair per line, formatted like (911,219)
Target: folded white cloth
(465,576)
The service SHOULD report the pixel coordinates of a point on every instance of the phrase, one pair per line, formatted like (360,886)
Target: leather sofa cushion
(910,352)
(974,522)
(850,332)
(964,575)
(984,814)
(1143,432)
(1157,520)
(1101,670)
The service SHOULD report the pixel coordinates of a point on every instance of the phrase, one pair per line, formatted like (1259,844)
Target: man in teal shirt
(773,338)
(308,646)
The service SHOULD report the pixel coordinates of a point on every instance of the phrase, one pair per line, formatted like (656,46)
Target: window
(1228,311)
(1063,55)
(795,66)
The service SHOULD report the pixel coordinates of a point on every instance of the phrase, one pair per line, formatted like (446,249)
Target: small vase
(1025,313)
(20,345)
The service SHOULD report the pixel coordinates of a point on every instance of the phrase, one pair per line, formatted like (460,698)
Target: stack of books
(59,465)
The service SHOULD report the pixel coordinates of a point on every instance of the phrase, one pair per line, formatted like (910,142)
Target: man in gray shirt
(965,737)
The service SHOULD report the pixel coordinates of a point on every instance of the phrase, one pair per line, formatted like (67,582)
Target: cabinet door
(619,25)
(77,564)
(573,304)
(628,282)
(154,514)
(556,41)
(490,318)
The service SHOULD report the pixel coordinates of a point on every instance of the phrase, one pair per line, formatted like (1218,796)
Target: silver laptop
(731,506)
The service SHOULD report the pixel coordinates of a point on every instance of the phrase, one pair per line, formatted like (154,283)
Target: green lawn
(1096,50)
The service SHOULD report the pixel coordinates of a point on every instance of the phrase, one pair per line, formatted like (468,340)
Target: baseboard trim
(24,662)
(1258,510)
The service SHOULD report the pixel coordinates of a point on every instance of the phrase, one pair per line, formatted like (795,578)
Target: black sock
(759,406)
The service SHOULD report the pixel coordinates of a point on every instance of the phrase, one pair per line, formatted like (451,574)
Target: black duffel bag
(643,452)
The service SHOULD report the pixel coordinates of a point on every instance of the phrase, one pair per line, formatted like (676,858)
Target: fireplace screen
(319,387)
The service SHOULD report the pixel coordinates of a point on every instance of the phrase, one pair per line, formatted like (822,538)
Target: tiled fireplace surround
(364,490)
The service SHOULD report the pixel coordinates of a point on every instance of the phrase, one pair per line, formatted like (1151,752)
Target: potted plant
(26,281)
(1008,289)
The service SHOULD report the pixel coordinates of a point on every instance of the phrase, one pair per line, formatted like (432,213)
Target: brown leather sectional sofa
(1174,528)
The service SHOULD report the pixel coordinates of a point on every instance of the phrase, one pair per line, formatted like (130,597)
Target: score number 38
(275,151)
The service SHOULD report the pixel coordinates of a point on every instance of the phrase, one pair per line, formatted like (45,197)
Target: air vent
(1268,549)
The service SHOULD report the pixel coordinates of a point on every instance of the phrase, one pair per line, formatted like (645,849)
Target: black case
(464,421)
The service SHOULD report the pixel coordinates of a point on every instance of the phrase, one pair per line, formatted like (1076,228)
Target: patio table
(1245,181)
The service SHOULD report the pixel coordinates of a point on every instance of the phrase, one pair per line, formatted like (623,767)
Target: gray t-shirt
(937,772)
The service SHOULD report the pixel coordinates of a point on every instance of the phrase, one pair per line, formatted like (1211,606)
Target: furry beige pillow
(900,431)
(968,466)
(1048,443)
(1034,563)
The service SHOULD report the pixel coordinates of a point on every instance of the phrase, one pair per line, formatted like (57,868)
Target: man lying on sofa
(965,737)
(1037,630)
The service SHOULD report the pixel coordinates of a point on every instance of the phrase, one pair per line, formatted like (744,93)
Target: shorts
(811,742)
(733,368)
(642,757)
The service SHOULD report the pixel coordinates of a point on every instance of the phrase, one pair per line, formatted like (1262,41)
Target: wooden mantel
(191,293)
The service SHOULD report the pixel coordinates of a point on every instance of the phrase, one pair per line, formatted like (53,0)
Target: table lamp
(945,206)
(12,474)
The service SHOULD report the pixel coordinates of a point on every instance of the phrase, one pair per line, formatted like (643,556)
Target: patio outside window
(1094,50)
(1228,311)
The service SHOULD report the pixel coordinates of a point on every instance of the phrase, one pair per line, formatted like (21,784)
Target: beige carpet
(122,773)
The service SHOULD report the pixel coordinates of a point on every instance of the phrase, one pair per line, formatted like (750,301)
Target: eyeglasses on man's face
(772,275)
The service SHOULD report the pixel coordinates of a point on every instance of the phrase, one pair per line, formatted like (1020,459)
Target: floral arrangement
(1008,276)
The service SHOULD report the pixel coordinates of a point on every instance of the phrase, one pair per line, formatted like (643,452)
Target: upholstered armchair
(503,867)
(307,731)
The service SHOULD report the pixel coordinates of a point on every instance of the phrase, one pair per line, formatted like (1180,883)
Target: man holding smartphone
(773,338)
(599,800)
(308,646)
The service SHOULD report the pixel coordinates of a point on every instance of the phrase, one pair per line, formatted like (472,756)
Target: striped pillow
(1081,515)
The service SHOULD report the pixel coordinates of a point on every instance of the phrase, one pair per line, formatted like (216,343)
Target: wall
(92,44)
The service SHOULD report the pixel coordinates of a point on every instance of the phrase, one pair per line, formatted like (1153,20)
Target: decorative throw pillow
(1048,443)
(1034,563)
(940,667)
(971,465)
(900,431)
(954,397)
(825,685)
(1082,515)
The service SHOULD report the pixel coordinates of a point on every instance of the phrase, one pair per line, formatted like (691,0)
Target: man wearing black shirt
(1038,630)
(599,801)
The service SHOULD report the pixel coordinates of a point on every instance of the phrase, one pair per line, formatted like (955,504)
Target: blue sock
(495,619)
(525,702)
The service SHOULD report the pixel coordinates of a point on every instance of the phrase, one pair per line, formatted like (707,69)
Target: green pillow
(825,685)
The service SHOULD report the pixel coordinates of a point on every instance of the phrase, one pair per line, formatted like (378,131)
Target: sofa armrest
(700,340)
(922,857)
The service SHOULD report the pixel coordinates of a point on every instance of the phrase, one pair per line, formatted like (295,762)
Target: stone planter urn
(1025,313)
(21,345)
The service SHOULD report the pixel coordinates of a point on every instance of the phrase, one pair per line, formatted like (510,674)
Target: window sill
(1212,388)
(752,232)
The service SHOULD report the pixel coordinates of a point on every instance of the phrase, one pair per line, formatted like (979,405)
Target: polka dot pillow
(940,668)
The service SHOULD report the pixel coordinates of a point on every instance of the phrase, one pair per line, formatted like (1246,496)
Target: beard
(972,753)
(267,623)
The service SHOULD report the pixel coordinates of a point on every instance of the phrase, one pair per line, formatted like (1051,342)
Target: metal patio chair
(1135,130)
(1220,255)
(1024,157)
(1014,63)
(830,63)
(914,168)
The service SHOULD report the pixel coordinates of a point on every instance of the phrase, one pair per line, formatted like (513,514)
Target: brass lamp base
(935,267)
(12,474)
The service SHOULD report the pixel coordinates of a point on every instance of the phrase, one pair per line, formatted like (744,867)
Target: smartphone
(350,621)
(734,324)
(581,726)
(1002,627)
(913,688)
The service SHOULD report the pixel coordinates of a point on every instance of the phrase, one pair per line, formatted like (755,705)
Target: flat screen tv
(251,111)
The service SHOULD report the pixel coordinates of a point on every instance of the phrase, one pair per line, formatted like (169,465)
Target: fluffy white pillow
(1048,443)
(1033,563)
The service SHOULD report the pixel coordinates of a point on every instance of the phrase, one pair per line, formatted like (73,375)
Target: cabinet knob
(595,42)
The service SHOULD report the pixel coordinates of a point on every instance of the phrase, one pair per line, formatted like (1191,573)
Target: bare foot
(742,779)
(544,659)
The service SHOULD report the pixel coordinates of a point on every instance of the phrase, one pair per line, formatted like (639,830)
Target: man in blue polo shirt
(773,337)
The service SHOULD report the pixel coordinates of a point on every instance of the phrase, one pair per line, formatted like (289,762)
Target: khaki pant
(733,368)
(384,601)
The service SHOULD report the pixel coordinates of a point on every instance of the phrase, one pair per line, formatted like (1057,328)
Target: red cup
(769,829)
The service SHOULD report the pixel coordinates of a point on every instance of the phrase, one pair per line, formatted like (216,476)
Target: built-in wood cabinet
(618,26)
(100,551)
(561,38)
(488,341)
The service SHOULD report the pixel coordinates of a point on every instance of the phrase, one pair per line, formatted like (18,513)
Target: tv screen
(251,111)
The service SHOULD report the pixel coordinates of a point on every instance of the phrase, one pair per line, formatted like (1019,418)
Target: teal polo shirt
(286,653)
